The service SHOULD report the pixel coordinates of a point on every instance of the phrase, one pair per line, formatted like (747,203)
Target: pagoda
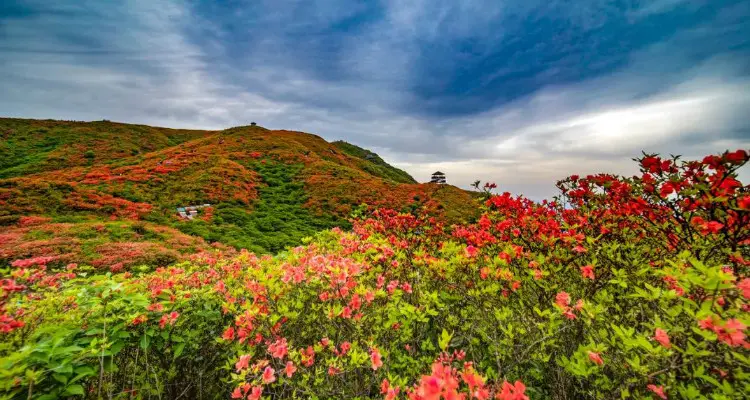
(438,177)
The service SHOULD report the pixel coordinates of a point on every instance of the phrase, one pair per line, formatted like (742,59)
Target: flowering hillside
(267,189)
(620,288)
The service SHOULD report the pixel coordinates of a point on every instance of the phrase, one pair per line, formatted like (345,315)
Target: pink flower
(384,386)
(255,393)
(744,285)
(662,337)
(471,251)
(243,363)
(268,375)
(562,299)
(595,358)
(278,349)
(376,359)
(658,390)
(289,369)
(512,392)
(588,271)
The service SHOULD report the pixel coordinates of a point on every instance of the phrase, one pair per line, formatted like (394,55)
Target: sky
(517,92)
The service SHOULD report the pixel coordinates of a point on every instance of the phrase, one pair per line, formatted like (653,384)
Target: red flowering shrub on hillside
(619,288)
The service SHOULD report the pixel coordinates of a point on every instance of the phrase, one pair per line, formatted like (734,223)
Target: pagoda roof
(438,173)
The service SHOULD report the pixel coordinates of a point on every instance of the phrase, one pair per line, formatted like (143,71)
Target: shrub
(620,288)
(89,154)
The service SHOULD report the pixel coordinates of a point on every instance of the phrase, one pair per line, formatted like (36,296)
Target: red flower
(588,271)
(512,392)
(290,369)
(744,287)
(278,349)
(392,393)
(595,358)
(243,363)
(658,390)
(228,334)
(268,375)
(255,393)
(662,337)
(562,299)
(579,249)
(384,386)
(376,359)
(732,333)
(737,157)
(707,323)
(471,251)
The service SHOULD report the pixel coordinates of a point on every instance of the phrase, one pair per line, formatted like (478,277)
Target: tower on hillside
(438,177)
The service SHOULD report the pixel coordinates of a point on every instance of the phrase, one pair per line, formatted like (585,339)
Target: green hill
(267,189)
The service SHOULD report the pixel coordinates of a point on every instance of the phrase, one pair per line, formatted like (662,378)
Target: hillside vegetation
(620,288)
(267,189)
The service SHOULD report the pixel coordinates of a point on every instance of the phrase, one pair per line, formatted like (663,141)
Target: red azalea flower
(658,390)
(595,358)
(243,363)
(588,271)
(562,299)
(228,334)
(384,386)
(290,369)
(255,393)
(376,359)
(268,375)
(662,337)
(512,392)
(744,287)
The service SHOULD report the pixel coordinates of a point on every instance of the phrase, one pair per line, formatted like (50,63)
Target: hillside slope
(266,189)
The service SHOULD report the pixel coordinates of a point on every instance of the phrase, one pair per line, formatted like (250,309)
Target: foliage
(620,288)
(277,220)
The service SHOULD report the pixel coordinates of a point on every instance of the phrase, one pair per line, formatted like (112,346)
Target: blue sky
(517,92)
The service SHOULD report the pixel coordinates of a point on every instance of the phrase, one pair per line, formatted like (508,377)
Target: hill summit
(112,193)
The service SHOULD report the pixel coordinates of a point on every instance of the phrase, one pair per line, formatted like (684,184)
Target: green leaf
(445,339)
(73,390)
(62,378)
(178,348)
(145,342)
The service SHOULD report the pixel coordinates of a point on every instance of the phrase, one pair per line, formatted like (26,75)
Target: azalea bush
(619,288)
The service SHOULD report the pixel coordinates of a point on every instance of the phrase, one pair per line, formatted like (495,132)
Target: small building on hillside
(438,177)
(190,212)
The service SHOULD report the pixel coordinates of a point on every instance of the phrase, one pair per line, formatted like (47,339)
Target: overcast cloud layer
(519,92)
